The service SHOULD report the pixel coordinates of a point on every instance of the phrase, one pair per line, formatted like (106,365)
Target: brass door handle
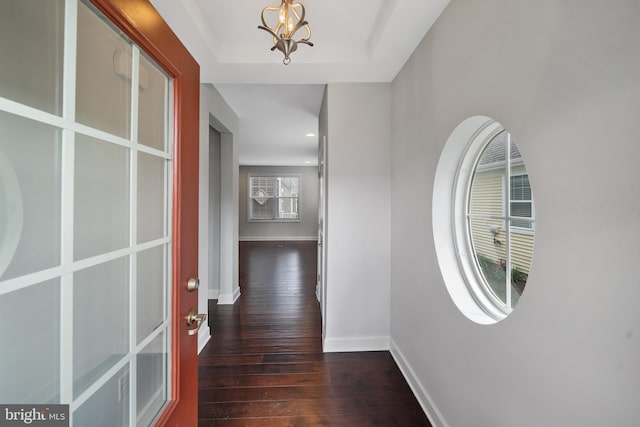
(193,284)
(194,317)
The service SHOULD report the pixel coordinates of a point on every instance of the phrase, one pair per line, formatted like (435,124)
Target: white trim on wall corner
(428,406)
(226,299)
(336,345)
(213,294)
(203,337)
(278,238)
(236,294)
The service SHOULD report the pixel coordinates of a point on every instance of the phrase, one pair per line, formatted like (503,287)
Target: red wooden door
(142,23)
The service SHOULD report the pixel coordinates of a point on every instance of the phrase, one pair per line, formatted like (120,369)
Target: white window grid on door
(67,267)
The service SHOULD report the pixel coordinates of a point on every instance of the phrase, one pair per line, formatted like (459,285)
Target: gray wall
(215,113)
(563,78)
(356,120)
(215,143)
(306,229)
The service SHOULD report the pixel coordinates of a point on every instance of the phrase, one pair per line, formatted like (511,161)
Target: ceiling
(275,121)
(355,41)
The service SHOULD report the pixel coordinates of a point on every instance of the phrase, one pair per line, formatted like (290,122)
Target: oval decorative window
(492,220)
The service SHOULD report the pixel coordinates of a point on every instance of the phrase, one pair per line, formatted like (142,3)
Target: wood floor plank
(310,421)
(290,408)
(264,365)
(263,380)
(318,391)
(250,394)
(263,368)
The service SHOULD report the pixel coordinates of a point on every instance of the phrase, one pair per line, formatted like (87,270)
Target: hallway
(264,365)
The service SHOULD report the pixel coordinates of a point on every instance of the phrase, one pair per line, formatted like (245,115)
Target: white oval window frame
(451,188)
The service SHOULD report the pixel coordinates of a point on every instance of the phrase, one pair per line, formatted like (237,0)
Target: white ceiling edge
(404,26)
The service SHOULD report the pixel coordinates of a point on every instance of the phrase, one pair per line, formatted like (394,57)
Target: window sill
(525,231)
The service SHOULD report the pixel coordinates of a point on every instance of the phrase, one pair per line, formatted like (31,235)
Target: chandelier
(290,20)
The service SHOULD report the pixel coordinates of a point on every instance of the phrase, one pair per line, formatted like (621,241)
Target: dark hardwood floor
(264,365)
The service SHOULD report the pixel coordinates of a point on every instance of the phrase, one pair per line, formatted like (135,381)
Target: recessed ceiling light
(308,162)
(311,134)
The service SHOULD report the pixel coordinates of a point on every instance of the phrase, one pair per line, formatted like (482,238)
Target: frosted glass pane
(30,362)
(102,197)
(151,379)
(109,406)
(31,42)
(103,92)
(151,196)
(152,104)
(100,320)
(30,176)
(150,290)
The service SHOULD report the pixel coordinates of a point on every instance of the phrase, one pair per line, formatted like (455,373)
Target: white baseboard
(227,299)
(336,345)
(203,337)
(214,293)
(277,238)
(428,406)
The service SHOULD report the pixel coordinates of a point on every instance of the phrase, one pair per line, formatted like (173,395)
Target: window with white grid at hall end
(274,198)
